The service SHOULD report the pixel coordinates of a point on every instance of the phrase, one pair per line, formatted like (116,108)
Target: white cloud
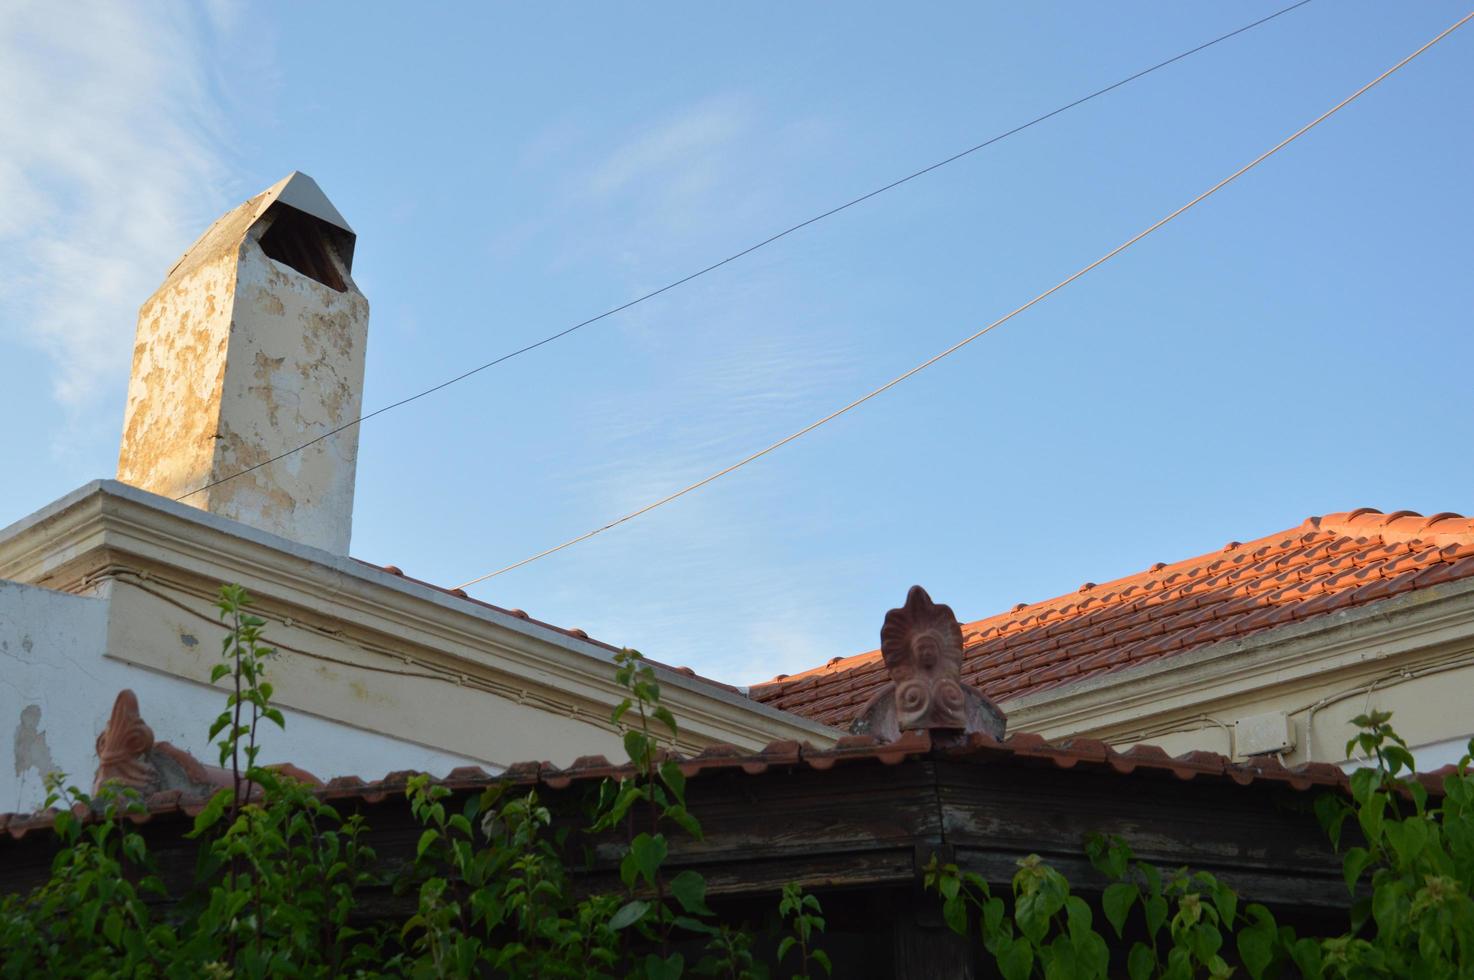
(113,163)
(683,154)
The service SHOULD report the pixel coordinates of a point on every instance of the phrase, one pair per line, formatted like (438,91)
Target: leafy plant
(1050,931)
(1414,917)
(1415,920)
(92,917)
(494,882)
(804,916)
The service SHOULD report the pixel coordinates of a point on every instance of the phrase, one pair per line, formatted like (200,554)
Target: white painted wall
(57,689)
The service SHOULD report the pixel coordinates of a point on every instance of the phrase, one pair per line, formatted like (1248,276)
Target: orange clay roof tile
(1328,563)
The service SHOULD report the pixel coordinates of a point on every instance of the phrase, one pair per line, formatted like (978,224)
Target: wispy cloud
(113,162)
(757,376)
(682,155)
(680,575)
(711,372)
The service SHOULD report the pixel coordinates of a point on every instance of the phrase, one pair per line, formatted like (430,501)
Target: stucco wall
(295,370)
(327,671)
(1432,711)
(238,359)
(57,689)
(179,355)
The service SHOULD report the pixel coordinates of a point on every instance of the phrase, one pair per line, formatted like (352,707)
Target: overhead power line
(749,250)
(996,323)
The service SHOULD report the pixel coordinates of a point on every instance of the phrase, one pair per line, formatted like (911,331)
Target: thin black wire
(753,248)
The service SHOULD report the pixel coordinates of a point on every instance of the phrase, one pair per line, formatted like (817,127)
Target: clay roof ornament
(123,747)
(129,757)
(921,644)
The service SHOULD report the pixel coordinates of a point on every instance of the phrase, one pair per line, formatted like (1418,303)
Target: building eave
(107,528)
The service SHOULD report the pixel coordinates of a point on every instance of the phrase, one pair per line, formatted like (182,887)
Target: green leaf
(1363,783)
(112,927)
(954,912)
(1117,902)
(623,800)
(647,852)
(689,888)
(682,818)
(1371,815)
(671,775)
(630,913)
(783,947)
(1016,961)
(822,958)
(1399,757)
(1419,794)
(1091,951)
(992,916)
(1387,906)
(695,925)
(1227,903)
(1077,916)
(1205,941)
(1256,949)
(429,837)
(669,968)
(212,812)
(1109,854)
(1156,914)
(1141,962)
(1332,812)
(1035,907)
(636,747)
(1306,954)
(1355,862)
(1408,838)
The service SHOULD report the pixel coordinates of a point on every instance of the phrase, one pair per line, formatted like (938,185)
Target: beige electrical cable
(996,323)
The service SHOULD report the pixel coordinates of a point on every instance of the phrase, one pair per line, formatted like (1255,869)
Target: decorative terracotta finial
(128,755)
(921,644)
(123,746)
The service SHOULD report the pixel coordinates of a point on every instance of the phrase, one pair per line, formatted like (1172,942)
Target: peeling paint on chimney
(253,346)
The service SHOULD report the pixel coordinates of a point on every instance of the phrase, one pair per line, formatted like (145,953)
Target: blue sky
(1300,344)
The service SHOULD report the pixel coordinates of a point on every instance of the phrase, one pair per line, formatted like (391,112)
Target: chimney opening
(300,241)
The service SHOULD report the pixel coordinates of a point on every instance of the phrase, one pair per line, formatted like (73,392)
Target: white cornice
(105,523)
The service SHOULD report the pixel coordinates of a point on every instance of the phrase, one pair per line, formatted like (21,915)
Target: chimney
(254,345)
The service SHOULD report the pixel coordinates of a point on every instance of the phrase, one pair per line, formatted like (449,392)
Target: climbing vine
(1409,881)
(286,886)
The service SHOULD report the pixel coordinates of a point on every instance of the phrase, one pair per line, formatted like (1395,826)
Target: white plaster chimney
(254,345)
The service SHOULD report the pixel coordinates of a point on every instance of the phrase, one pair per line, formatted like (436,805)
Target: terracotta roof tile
(1021,749)
(1328,563)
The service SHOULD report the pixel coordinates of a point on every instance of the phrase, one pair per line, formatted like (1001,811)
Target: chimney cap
(300,191)
(296,191)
